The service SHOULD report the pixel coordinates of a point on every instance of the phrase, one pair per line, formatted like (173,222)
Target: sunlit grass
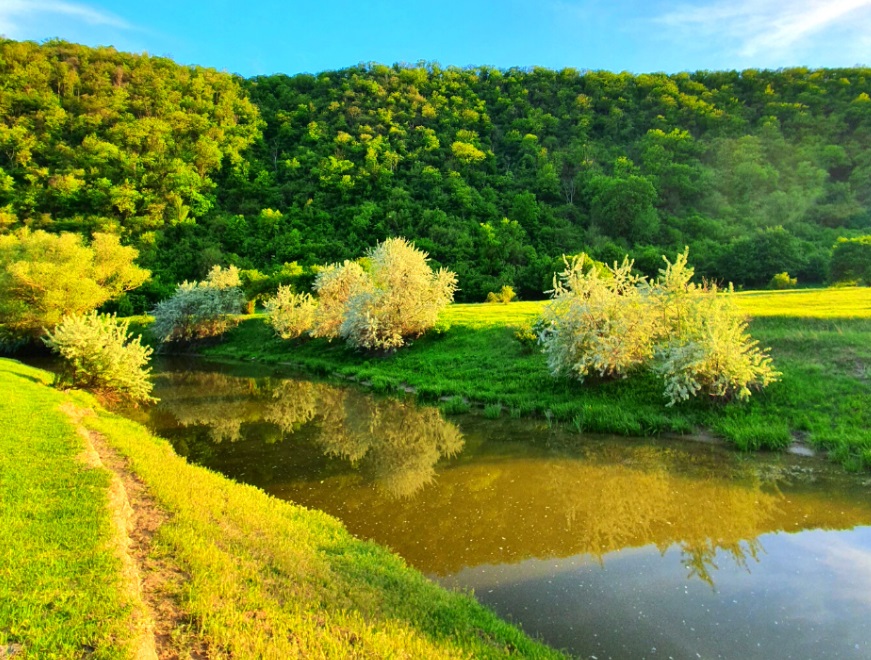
(60,585)
(836,302)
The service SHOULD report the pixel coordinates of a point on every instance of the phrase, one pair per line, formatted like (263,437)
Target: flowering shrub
(291,314)
(690,335)
(598,324)
(98,354)
(704,347)
(403,300)
(335,285)
(199,310)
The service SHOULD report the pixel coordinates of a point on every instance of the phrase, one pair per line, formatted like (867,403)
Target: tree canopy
(494,173)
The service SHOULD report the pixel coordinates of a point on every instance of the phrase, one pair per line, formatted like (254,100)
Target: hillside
(496,173)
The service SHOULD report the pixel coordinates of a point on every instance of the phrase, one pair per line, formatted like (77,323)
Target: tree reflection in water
(398,444)
(507,500)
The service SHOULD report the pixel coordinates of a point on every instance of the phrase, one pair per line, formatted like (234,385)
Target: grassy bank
(226,571)
(820,340)
(61,592)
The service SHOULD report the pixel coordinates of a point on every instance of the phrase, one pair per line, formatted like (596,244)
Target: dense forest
(495,173)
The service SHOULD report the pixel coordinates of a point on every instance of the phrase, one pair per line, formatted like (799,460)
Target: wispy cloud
(769,27)
(15,15)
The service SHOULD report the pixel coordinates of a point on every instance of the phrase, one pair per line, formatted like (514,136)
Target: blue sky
(269,36)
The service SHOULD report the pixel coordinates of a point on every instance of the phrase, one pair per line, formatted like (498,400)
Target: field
(820,340)
(225,570)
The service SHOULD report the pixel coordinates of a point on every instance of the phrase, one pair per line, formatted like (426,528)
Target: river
(601,546)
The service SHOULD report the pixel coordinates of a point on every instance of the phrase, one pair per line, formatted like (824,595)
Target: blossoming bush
(691,336)
(291,314)
(403,300)
(704,346)
(598,324)
(335,285)
(200,310)
(98,354)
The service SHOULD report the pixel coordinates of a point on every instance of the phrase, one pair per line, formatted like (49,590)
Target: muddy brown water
(601,546)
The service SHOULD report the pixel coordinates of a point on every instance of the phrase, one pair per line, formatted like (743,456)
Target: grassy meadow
(228,570)
(820,340)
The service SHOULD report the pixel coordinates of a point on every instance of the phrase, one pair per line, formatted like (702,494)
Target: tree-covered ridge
(495,173)
(97,140)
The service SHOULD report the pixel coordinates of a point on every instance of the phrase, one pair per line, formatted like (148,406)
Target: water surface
(603,546)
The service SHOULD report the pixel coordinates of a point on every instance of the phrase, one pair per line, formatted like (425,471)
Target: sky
(291,36)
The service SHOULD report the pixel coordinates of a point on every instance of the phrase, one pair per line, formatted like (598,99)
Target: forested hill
(496,173)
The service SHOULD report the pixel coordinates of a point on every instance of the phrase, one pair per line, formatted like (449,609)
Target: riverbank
(115,547)
(820,340)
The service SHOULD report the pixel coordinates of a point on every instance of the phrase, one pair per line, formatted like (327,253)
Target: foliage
(528,337)
(495,173)
(99,354)
(403,301)
(335,286)
(704,346)
(199,310)
(291,314)
(782,281)
(691,336)
(45,276)
(851,260)
(598,325)
(95,139)
(506,295)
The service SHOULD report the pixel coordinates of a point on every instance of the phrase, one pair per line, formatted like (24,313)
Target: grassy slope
(263,578)
(820,340)
(60,589)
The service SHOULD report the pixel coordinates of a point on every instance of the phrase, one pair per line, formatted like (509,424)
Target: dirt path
(153,582)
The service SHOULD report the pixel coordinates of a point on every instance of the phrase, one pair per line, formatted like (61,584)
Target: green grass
(61,594)
(261,578)
(820,340)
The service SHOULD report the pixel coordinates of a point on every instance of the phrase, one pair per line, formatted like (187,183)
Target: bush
(402,301)
(199,310)
(506,295)
(98,354)
(782,281)
(44,277)
(291,314)
(851,260)
(691,336)
(336,285)
(597,324)
(704,346)
(529,334)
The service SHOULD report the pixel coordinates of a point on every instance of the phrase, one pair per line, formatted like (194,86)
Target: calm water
(605,547)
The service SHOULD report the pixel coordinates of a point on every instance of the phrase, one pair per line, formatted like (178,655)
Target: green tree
(44,277)
(851,260)
(623,207)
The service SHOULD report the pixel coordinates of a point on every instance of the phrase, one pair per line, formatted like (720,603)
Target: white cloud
(754,28)
(16,15)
